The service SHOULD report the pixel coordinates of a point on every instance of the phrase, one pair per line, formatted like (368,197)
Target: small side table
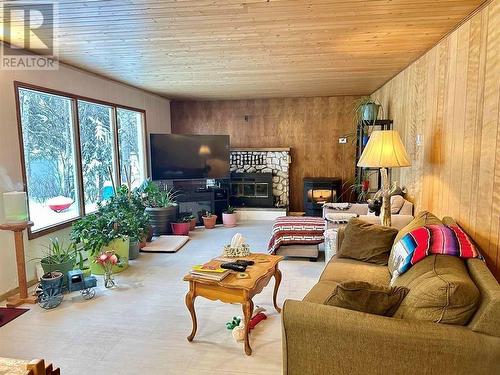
(23,296)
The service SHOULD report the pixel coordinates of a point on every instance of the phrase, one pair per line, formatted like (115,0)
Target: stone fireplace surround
(262,160)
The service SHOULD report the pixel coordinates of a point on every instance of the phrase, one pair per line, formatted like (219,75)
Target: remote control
(234,266)
(244,262)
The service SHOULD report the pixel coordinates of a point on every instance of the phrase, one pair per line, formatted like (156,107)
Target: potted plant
(102,231)
(209,220)
(59,257)
(128,209)
(229,217)
(181,227)
(161,207)
(189,217)
(366,110)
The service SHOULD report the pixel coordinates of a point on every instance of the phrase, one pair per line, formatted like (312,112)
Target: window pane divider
(78,156)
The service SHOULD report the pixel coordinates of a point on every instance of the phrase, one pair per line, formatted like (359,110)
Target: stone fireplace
(265,160)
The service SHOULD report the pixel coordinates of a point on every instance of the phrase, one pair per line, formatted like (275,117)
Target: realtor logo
(28,34)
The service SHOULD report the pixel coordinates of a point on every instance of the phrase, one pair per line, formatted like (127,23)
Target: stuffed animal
(239,332)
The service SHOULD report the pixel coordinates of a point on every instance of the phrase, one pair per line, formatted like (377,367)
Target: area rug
(165,244)
(8,314)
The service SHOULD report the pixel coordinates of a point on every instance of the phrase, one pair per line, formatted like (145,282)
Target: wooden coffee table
(235,290)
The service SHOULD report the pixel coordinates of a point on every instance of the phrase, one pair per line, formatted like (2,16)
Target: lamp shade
(384,150)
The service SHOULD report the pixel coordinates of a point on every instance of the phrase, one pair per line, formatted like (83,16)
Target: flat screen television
(181,157)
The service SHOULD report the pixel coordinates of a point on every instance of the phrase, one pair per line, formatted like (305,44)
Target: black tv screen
(180,157)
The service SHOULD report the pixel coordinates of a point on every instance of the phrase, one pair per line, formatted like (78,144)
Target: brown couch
(449,323)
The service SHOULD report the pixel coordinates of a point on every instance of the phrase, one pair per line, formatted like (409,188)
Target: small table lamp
(384,150)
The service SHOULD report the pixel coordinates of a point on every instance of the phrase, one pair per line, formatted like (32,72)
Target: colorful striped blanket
(430,240)
(290,230)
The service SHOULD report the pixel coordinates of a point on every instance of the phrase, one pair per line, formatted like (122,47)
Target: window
(49,158)
(97,150)
(131,144)
(74,151)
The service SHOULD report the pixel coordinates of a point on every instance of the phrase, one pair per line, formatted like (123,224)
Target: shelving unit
(366,127)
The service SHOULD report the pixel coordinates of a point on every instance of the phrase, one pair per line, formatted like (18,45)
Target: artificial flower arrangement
(108,259)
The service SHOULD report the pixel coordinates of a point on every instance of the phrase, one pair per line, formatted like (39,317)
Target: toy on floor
(237,325)
(256,320)
(233,323)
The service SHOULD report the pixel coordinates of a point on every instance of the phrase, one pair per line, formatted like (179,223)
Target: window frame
(78,156)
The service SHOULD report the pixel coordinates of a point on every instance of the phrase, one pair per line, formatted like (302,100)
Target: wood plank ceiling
(233,49)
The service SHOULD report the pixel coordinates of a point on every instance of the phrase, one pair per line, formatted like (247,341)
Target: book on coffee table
(210,271)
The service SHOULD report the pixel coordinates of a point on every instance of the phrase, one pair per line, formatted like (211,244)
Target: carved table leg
(190,297)
(247,313)
(277,276)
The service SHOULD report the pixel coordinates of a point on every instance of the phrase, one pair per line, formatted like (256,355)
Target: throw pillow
(422,219)
(368,298)
(397,202)
(367,242)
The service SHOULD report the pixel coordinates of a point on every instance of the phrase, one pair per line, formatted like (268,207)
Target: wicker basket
(234,252)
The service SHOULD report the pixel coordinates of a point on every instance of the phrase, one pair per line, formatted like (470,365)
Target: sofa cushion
(344,269)
(367,297)
(321,292)
(367,242)
(423,218)
(441,291)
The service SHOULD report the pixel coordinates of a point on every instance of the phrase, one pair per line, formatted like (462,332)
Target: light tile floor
(141,326)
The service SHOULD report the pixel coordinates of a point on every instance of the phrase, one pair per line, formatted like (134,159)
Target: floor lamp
(384,150)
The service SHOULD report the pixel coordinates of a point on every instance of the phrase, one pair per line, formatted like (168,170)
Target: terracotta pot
(209,222)
(180,229)
(192,224)
(229,220)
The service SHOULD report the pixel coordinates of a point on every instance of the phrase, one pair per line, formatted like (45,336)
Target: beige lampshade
(384,150)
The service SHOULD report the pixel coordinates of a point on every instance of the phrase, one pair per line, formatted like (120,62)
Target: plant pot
(86,272)
(229,220)
(369,112)
(64,268)
(180,229)
(52,283)
(192,224)
(160,219)
(149,236)
(121,248)
(133,249)
(209,222)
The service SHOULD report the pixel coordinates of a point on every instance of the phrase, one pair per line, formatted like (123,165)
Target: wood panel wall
(310,126)
(450,97)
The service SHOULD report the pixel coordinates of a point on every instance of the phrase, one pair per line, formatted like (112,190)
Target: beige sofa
(399,218)
(322,339)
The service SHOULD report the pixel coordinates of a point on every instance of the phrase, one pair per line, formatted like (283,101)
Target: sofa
(448,323)
(401,212)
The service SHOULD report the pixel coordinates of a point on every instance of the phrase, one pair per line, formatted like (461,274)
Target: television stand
(199,200)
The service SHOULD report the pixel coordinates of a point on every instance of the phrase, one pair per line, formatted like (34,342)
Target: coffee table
(236,290)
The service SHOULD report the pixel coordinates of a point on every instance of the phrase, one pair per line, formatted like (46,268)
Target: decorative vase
(209,221)
(229,220)
(109,280)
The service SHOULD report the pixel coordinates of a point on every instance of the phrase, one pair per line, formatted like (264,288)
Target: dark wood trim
(78,156)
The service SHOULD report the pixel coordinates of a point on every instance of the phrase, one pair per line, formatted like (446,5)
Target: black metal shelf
(362,128)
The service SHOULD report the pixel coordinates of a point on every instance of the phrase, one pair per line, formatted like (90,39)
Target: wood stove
(318,191)
(251,190)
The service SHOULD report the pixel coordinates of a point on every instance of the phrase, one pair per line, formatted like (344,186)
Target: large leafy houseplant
(161,206)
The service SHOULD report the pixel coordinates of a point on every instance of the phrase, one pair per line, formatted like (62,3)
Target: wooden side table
(23,296)
(234,290)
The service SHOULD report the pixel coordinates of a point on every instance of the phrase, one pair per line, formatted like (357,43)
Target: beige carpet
(141,327)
